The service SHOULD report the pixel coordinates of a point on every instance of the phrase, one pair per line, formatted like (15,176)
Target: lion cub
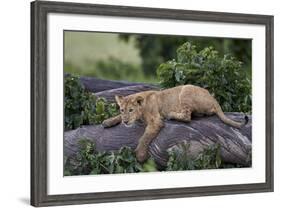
(152,107)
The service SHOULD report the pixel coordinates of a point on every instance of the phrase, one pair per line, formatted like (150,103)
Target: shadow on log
(200,133)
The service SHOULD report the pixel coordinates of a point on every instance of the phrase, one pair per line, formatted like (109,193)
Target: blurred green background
(135,57)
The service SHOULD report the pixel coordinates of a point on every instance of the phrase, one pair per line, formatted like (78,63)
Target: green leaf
(82,107)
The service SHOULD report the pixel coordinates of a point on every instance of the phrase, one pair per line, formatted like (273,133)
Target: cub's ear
(139,100)
(119,99)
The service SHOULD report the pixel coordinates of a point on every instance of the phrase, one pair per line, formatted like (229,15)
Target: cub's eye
(131,110)
(122,110)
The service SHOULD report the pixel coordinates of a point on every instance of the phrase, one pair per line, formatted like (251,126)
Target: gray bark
(200,133)
(95,85)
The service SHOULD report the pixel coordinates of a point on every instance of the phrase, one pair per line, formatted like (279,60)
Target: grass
(103,55)
(84,48)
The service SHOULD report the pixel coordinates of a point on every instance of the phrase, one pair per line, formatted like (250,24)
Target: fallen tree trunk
(124,91)
(200,133)
(95,85)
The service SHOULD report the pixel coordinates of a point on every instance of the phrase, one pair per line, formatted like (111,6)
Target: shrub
(180,158)
(91,161)
(82,107)
(222,76)
(154,50)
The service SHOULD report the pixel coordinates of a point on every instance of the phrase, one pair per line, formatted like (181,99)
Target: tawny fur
(152,107)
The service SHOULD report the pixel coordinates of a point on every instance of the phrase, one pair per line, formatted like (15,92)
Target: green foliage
(154,50)
(92,162)
(116,69)
(82,107)
(89,161)
(222,76)
(113,69)
(180,159)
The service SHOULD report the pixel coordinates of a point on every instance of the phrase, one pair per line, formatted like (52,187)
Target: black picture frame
(39,12)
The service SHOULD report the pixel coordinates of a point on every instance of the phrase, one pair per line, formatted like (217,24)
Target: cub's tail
(228,121)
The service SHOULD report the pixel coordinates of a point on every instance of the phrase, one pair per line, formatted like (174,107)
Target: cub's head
(130,108)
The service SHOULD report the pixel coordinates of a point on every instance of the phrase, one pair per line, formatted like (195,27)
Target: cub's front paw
(106,124)
(141,154)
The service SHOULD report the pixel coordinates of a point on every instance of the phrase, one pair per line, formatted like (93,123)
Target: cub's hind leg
(184,115)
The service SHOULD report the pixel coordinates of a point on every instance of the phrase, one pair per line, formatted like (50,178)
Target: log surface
(200,132)
(95,85)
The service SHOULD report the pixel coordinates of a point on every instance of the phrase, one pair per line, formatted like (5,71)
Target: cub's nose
(126,122)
